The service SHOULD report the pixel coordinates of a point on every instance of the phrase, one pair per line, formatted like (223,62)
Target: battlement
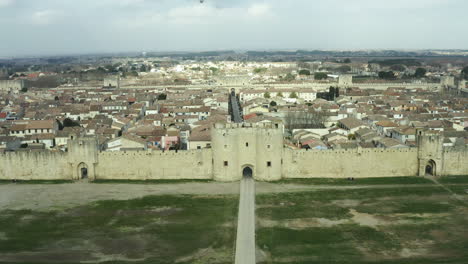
(354,151)
(275,125)
(153,153)
(235,147)
(33,154)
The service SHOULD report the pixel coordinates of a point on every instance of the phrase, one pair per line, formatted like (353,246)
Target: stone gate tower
(244,148)
(83,157)
(430,152)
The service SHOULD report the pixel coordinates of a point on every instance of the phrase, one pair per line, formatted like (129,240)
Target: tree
(70,123)
(398,67)
(162,97)
(387,75)
(267,95)
(214,70)
(304,72)
(305,119)
(347,60)
(420,72)
(273,104)
(260,70)
(143,68)
(280,94)
(344,69)
(44,82)
(24,90)
(293,95)
(303,64)
(465,73)
(133,74)
(289,77)
(320,76)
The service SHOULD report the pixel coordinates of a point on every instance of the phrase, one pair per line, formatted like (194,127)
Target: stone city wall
(43,165)
(454,161)
(357,163)
(11,85)
(235,148)
(152,165)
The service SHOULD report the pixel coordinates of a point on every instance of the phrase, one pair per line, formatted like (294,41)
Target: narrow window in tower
(246,144)
(225,163)
(268,163)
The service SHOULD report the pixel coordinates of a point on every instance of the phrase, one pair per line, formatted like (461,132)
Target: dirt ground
(45,197)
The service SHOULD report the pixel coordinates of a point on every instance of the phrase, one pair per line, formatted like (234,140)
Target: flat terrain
(386,220)
(418,223)
(46,197)
(153,229)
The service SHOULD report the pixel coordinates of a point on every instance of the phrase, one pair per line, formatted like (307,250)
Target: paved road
(235,109)
(245,243)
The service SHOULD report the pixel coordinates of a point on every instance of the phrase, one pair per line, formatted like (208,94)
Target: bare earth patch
(45,197)
(207,255)
(48,257)
(365,219)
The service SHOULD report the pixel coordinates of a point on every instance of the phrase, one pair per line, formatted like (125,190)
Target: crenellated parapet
(238,147)
(238,150)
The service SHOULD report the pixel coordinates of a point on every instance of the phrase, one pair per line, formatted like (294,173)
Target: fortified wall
(237,150)
(11,85)
(368,162)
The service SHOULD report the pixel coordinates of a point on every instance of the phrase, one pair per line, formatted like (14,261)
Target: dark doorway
(247,172)
(84,173)
(431,168)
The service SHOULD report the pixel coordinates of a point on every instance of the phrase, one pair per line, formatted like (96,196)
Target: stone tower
(447,82)
(83,157)
(112,82)
(461,85)
(242,149)
(430,152)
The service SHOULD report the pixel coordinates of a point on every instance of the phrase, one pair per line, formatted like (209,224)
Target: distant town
(326,100)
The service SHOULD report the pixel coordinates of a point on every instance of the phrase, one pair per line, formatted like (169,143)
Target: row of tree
(267,95)
(304,119)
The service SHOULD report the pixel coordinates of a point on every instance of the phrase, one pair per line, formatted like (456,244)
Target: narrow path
(454,195)
(236,111)
(245,242)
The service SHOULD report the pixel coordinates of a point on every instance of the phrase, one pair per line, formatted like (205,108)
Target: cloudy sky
(40,27)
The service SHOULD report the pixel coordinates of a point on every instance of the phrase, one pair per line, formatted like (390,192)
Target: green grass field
(419,224)
(154,229)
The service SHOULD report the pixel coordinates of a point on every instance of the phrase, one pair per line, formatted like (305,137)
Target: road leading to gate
(236,111)
(245,243)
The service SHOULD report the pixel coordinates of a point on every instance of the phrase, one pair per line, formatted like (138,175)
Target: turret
(430,152)
(83,157)
(242,149)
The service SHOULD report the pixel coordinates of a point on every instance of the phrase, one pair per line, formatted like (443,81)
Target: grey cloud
(70,26)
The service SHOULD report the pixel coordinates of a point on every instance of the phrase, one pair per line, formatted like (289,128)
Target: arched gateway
(431,168)
(247,172)
(83,171)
